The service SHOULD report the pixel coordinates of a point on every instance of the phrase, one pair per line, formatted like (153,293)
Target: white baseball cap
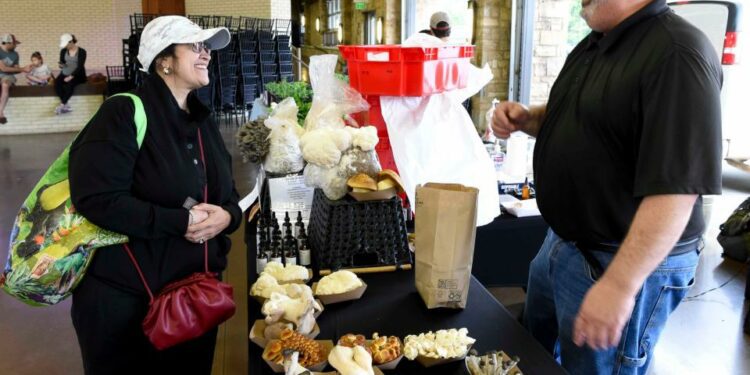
(65,39)
(164,31)
(438,17)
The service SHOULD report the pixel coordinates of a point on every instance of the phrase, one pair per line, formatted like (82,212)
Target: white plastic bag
(332,98)
(434,140)
(284,154)
(259,109)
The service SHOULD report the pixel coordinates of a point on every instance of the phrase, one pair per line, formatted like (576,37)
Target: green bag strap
(141,123)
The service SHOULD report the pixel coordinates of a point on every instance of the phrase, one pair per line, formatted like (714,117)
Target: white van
(722,21)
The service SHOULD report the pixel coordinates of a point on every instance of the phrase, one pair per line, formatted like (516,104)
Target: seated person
(40,73)
(8,70)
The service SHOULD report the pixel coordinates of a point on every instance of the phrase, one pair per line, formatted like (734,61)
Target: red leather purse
(187,308)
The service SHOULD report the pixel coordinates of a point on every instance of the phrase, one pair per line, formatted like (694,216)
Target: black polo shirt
(635,112)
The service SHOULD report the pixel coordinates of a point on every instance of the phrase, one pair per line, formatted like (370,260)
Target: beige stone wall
(98,25)
(550,47)
(27,115)
(353,21)
(389,10)
(248,8)
(281,9)
(492,40)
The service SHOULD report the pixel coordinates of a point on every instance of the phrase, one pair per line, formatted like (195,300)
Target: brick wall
(281,9)
(98,25)
(550,46)
(27,115)
(353,21)
(248,8)
(492,40)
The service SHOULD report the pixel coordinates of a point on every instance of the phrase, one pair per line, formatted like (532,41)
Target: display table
(392,306)
(504,249)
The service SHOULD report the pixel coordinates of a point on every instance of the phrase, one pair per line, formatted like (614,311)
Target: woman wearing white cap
(73,64)
(146,194)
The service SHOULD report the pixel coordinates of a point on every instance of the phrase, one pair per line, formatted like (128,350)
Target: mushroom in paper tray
(299,309)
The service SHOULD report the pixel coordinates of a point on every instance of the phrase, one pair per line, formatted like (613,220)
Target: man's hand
(658,224)
(511,116)
(508,118)
(602,316)
(27,69)
(68,78)
(218,219)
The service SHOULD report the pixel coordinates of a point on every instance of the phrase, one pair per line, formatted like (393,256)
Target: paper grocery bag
(446,217)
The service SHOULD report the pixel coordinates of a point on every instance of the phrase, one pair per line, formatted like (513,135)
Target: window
(330,36)
(370,28)
(417,13)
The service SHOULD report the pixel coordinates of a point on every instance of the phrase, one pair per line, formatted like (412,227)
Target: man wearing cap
(440,26)
(8,69)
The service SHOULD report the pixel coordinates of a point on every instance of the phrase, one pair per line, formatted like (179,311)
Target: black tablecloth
(392,306)
(504,249)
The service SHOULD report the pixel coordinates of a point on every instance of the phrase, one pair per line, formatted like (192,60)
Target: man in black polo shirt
(628,142)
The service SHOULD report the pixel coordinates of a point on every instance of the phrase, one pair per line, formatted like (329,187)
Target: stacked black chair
(197,19)
(282,41)
(269,71)
(227,79)
(139,20)
(116,82)
(249,58)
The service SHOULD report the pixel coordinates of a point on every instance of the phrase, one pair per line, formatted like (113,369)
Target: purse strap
(205,243)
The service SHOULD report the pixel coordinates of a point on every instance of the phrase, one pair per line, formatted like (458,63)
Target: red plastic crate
(407,71)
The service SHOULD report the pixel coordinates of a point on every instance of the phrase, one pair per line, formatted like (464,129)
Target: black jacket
(80,72)
(140,193)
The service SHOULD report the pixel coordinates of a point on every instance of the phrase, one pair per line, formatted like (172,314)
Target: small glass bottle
(287,222)
(262,237)
(260,262)
(260,229)
(276,254)
(290,257)
(525,193)
(304,250)
(288,245)
(276,237)
(298,224)
(265,248)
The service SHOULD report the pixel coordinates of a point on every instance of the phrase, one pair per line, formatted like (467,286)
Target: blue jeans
(559,278)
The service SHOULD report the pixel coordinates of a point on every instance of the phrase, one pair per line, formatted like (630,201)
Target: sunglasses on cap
(199,47)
